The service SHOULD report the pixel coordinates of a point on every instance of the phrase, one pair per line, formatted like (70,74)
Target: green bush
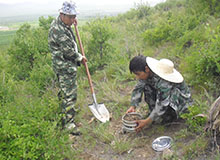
(158,34)
(28,128)
(204,61)
(27,45)
(7,87)
(45,23)
(99,47)
(143,10)
(173,28)
(195,124)
(42,74)
(212,6)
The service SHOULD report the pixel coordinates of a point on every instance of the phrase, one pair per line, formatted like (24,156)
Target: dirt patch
(132,117)
(139,143)
(111,143)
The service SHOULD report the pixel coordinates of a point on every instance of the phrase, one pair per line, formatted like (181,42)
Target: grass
(6,37)
(113,87)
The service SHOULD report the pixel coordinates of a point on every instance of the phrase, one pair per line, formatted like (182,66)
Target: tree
(99,48)
(45,23)
(28,45)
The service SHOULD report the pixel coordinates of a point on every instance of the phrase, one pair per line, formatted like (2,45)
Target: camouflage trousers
(169,114)
(67,95)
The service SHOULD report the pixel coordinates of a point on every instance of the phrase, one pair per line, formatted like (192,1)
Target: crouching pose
(163,87)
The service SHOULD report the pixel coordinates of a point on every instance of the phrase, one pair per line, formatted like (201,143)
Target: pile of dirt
(132,117)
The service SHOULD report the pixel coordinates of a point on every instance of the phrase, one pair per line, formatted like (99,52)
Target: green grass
(6,37)
(18,24)
(38,115)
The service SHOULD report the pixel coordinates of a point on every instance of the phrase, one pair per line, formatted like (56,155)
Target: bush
(204,61)
(27,45)
(158,34)
(173,28)
(42,74)
(143,10)
(28,128)
(7,87)
(212,6)
(100,50)
(195,124)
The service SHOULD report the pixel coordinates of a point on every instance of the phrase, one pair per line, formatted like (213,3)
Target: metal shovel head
(100,112)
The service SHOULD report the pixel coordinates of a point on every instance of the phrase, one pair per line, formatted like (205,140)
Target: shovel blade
(100,112)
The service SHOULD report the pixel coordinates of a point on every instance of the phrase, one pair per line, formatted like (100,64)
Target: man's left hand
(75,22)
(84,60)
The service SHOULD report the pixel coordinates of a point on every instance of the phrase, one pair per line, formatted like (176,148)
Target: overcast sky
(19,7)
(101,2)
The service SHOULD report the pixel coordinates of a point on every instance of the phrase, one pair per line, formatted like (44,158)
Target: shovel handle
(86,66)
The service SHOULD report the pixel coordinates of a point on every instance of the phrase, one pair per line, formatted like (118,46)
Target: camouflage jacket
(63,47)
(159,94)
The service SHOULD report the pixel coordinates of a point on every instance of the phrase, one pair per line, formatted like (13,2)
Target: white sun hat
(164,68)
(68,8)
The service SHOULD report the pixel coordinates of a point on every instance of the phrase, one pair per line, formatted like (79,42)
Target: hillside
(185,31)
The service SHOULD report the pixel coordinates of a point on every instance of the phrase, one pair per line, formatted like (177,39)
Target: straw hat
(69,8)
(164,68)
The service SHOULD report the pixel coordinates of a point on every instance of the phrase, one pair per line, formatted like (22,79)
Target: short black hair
(138,64)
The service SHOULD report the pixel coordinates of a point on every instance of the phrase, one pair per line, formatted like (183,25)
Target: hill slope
(185,31)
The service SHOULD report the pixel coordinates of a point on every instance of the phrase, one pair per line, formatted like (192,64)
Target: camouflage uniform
(166,100)
(65,58)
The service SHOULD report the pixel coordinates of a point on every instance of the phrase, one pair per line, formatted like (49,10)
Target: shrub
(143,10)
(195,124)
(27,45)
(28,128)
(7,87)
(45,23)
(203,62)
(42,74)
(158,34)
(100,50)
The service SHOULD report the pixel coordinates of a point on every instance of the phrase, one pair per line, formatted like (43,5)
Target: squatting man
(163,87)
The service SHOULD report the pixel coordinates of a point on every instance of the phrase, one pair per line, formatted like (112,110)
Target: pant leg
(68,94)
(169,116)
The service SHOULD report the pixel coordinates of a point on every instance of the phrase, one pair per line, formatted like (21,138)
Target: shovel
(98,110)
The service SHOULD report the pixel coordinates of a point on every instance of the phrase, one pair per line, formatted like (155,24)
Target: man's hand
(84,60)
(142,123)
(75,22)
(131,109)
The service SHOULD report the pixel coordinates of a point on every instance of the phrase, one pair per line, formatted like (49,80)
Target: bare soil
(132,117)
(140,143)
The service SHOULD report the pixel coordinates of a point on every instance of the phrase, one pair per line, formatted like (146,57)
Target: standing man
(65,58)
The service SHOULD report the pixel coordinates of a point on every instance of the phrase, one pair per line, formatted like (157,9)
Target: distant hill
(9,10)
(10,14)
(29,11)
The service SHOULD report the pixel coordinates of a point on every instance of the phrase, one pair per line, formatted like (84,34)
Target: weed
(121,145)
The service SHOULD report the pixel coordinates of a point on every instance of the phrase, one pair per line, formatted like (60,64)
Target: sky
(23,7)
(102,2)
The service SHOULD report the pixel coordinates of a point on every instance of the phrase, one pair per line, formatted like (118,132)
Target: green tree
(99,47)
(45,22)
(28,44)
